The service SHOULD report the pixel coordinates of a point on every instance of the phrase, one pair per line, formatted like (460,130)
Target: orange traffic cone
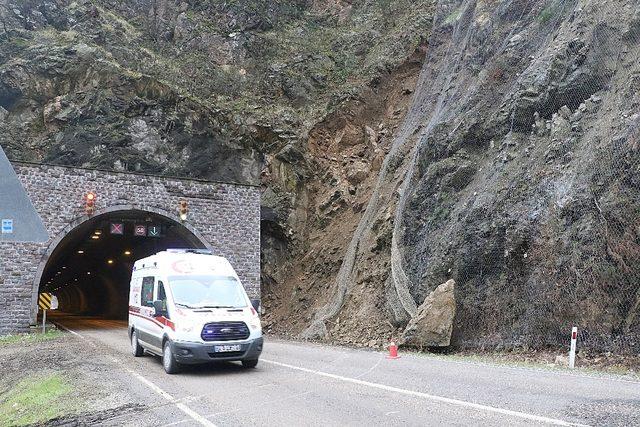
(393,350)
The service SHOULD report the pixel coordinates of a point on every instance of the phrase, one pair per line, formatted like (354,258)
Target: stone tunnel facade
(224,216)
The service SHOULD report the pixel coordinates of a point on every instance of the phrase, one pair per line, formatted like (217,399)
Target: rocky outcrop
(433,323)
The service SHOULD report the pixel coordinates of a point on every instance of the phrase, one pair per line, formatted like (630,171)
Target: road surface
(311,384)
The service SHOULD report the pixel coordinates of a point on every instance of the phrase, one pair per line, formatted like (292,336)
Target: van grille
(225,331)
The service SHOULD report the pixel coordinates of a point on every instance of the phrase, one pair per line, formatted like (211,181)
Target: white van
(189,306)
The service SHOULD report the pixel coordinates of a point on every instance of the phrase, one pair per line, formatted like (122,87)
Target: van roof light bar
(190,251)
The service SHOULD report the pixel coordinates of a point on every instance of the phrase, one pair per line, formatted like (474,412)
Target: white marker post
(44,320)
(572,351)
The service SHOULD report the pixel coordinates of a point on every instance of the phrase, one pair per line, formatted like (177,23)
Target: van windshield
(207,291)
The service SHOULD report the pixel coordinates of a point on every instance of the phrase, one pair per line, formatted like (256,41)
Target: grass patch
(30,337)
(548,13)
(35,400)
(453,16)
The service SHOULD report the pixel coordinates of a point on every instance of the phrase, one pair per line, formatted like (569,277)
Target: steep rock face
(513,174)
(189,88)
(69,100)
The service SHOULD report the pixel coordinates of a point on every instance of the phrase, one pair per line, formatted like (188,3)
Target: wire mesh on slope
(522,176)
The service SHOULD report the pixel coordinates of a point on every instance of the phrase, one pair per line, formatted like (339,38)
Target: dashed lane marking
(448,400)
(184,408)
(60,325)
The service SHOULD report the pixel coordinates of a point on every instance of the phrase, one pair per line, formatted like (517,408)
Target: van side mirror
(159,308)
(256,305)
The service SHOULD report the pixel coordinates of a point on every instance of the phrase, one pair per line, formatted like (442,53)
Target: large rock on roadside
(433,323)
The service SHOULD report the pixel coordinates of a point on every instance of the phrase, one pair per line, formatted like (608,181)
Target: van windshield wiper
(185,305)
(216,306)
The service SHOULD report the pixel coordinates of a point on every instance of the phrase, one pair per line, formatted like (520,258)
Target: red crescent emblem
(182,266)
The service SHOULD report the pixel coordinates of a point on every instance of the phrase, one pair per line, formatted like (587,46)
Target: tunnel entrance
(90,268)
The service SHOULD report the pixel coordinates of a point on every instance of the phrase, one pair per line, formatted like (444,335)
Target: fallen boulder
(433,323)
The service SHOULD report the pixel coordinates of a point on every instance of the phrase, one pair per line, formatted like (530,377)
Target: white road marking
(68,330)
(184,408)
(488,364)
(448,400)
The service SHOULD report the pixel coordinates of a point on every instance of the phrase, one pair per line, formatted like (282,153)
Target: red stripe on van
(151,319)
(160,321)
(167,322)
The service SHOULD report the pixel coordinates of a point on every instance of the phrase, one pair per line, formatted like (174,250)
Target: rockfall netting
(516,173)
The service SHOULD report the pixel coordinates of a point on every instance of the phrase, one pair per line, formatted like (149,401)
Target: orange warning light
(183,209)
(90,203)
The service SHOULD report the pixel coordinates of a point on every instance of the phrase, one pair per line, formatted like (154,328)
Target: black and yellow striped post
(44,302)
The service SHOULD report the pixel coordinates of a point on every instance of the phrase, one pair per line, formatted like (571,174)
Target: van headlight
(185,326)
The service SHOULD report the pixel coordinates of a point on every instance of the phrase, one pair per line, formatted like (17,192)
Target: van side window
(146,294)
(162,296)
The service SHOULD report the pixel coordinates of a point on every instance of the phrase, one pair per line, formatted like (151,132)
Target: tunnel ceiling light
(95,237)
(97,232)
(110,261)
(127,252)
(81,252)
(89,273)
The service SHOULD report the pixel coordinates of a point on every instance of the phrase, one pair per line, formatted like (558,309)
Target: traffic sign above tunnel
(20,221)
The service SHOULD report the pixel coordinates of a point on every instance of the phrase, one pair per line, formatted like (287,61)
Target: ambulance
(189,306)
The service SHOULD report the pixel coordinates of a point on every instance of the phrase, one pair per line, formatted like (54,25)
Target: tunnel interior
(90,269)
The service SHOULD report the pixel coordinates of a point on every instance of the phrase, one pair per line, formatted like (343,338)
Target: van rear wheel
(250,363)
(168,359)
(136,348)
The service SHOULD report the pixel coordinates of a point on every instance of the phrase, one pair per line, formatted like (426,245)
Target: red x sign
(116,228)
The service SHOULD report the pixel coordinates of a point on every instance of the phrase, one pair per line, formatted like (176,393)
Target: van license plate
(225,348)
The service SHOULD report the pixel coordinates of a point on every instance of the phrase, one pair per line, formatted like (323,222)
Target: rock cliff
(514,174)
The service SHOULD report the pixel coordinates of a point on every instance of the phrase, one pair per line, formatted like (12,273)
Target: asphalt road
(310,384)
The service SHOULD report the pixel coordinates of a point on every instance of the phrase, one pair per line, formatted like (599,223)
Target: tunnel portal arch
(70,238)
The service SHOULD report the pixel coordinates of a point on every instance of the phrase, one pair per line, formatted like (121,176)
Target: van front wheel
(168,360)
(136,348)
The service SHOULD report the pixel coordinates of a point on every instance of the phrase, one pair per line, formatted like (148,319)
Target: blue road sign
(154,231)
(15,203)
(7,226)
